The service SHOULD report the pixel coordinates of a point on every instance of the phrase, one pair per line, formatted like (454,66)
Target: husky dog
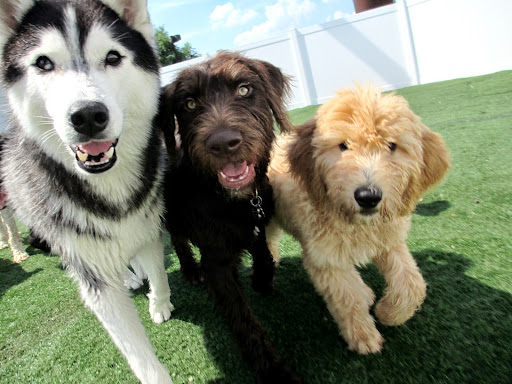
(82,164)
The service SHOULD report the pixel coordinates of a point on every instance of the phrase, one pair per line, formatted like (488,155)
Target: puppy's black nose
(89,118)
(368,197)
(224,142)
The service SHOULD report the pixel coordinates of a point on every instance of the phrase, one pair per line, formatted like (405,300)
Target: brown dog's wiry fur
(345,185)
(225,109)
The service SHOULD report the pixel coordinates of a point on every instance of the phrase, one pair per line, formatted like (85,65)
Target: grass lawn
(461,239)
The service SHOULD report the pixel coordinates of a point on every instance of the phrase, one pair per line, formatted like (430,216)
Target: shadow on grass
(433,208)
(12,274)
(461,334)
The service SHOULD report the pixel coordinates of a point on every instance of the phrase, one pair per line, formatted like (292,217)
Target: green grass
(461,239)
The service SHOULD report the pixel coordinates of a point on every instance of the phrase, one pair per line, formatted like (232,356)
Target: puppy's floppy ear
(278,89)
(166,122)
(435,159)
(300,154)
(135,14)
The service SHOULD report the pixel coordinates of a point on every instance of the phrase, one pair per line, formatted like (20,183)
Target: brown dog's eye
(244,90)
(343,146)
(392,147)
(190,104)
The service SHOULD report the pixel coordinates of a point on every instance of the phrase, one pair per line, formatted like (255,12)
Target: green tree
(168,52)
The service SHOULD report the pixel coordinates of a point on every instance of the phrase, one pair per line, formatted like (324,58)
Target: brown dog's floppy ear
(278,90)
(166,121)
(435,159)
(300,154)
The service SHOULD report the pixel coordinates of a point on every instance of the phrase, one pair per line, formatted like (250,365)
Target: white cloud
(281,16)
(228,16)
(338,15)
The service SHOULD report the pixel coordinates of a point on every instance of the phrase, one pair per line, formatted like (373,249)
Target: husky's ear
(136,15)
(11,13)
(301,154)
(167,122)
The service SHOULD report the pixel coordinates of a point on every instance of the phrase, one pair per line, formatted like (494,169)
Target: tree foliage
(168,52)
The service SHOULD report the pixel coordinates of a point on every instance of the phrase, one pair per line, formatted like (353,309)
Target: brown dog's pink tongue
(234,170)
(94,148)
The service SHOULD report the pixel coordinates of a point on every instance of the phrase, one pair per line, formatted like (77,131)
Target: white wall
(461,38)
(406,43)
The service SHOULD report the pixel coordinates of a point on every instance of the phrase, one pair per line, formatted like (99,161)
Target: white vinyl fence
(406,43)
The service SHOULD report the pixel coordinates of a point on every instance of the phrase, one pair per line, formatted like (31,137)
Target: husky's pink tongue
(234,170)
(94,148)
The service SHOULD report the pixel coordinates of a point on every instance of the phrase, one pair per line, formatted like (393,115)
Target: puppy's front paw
(18,256)
(364,338)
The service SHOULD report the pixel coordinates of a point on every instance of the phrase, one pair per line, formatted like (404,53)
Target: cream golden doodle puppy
(345,185)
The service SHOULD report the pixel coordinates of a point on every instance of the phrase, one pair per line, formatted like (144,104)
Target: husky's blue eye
(113,58)
(44,64)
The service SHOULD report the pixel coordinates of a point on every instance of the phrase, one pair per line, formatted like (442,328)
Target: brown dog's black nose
(89,118)
(368,197)
(224,142)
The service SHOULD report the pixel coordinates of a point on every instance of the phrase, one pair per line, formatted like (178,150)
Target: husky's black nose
(89,118)
(368,197)
(224,142)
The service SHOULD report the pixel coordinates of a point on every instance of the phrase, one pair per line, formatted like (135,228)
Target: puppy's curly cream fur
(345,185)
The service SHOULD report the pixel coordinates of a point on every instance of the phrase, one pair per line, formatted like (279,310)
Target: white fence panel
(461,38)
(406,43)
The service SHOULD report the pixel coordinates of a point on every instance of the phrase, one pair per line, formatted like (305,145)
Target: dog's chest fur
(203,212)
(79,223)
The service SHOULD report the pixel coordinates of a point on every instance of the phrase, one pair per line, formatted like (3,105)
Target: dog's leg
(134,280)
(349,300)
(4,236)
(223,282)
(263,266)
(406,289)
(14,238)
(151,259)
(274,232)
(190,268)
(116,311)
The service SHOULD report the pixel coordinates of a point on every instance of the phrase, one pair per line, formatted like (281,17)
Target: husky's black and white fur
(82,165)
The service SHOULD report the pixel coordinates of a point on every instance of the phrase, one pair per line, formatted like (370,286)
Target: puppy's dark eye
(190,104)
(392,147)
(113,58)
(343,146)
(244,90)
(44,64)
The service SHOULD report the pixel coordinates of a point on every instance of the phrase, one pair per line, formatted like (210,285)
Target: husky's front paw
(160,308)
(132,281)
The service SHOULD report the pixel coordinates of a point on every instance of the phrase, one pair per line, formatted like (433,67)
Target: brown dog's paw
(192,274)
(278,374)
(264,286)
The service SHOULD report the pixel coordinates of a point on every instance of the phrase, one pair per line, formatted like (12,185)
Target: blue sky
(212,25)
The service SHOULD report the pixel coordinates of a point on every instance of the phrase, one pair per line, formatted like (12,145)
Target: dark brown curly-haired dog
(218,195)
